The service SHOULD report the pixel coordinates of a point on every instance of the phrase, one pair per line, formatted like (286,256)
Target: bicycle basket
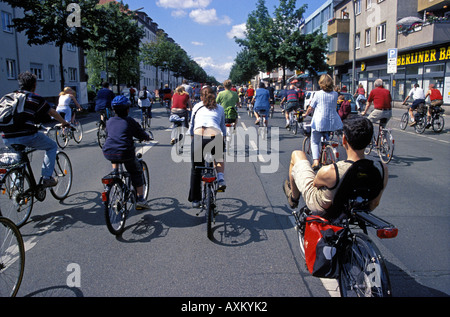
(9,157)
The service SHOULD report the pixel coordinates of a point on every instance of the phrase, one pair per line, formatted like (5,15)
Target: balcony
(430,5)
(428,33)
(336,26)
(337,58)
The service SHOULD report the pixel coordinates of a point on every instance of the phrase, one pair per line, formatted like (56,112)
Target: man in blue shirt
(261,101)
(103,100)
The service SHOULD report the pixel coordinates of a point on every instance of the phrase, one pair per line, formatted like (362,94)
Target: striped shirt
(325,117)
(35,111)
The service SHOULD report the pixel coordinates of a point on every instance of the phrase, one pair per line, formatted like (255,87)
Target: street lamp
(354,48)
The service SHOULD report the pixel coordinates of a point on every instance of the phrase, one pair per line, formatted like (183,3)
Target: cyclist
(291,99)
(435,99)
(229,100)
(25,132)
(325,117)
(145,102)
(65,98)
(181,105)
(188,89)
(103,100)
(132,96)
(119,145)
(241,93)
(418,95)
(344,107)
(197,91)
(207,129)
(382,103)
(318,191)
(249,94)
(361,92)
(261,101)
(167,94)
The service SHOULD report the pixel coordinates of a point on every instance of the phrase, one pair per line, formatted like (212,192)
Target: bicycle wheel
(101,134)
(306,146)
(209,210)
(293,123)
(179,139)
(115,208)
(16,196)
(404,121)
(146,172)
(386,148)
(78,132)
(12,258)
(363,272)
(329,155)
(438,123)
(61,136)
(421,124)
(64,174)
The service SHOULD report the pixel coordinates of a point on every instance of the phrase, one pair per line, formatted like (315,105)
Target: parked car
(308,97)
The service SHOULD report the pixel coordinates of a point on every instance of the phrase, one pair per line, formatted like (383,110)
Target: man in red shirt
(382,103)
(435,99)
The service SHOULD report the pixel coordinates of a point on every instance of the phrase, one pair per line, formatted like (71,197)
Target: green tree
(48,21)
(245,67)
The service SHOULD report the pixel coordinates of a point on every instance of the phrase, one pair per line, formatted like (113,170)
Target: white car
(308,97)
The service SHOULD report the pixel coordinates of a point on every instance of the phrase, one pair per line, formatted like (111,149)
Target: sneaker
(222,185)
(195,204)
(412,123)
(315,167)
(142,204)
(49,182)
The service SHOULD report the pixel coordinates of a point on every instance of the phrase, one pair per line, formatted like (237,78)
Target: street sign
(392,61)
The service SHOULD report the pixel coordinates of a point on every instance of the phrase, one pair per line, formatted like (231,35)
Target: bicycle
(166,104)
(328,149)
(295,121)
(437,119)
(178,133)
(146,121)
(63,135)
(209,192)
(18,186)
(119,196)
(231,129)
(383,142)
(12,258)
(262,124)
(250,108)
(362,271)
(101,131)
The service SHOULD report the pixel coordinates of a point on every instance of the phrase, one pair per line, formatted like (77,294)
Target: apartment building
(362,32)
(17,56)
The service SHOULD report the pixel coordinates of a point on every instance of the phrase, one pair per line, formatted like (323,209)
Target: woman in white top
(207,126)
(65,97)
(325,118)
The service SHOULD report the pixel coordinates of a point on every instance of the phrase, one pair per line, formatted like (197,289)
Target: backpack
(363,179)
(10,105)
(231,113)
(143,94)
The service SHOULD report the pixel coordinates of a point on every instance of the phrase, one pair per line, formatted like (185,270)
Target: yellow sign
(363,67)
(426,56)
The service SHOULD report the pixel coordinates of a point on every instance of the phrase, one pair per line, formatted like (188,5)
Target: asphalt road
(164,251)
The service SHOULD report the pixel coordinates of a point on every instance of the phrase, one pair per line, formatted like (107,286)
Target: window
(6,22)
(381,32)
(358,41)
(71,47)
(368,4)
(51,72)
(357,7)
(11,69)
(368,33)
(37,70)
(72,74)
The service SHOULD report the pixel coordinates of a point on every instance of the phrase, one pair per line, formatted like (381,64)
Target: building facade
(16,56)
(363,33)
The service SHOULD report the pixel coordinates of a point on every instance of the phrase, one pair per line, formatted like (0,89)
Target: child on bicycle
(119,145)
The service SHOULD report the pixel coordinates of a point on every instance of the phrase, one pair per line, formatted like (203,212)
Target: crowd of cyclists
(205,111)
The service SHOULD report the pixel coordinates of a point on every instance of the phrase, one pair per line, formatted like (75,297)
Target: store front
(424,66)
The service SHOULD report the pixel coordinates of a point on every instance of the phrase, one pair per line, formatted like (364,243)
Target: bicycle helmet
(120,102)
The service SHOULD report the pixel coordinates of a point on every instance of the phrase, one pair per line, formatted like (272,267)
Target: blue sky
(205,28)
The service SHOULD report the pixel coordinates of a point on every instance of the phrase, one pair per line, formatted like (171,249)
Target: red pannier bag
(320,247)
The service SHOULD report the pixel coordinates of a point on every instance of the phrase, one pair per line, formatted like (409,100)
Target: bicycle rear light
(3,170)
(208,179)
(104,196)
(107,181)
(387,233)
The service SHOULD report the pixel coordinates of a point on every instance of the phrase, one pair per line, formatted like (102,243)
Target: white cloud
(179,13)
(237,31)
(197,43)
(211,67)
(183,4)
(203,16)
